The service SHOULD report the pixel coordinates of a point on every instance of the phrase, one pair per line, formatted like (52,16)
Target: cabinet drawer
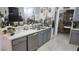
(18,40)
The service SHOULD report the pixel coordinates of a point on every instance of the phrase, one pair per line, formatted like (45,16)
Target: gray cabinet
(33,42)
(19,44)
(47,35)
(40,38)
(74,39)
(44,36)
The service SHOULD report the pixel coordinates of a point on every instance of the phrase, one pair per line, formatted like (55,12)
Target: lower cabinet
(20,47)
(33,42)
(74,39)
(47,35)
(19,44)
(44,36)
(40,38)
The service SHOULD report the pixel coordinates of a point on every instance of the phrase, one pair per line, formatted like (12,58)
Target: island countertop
(25,33)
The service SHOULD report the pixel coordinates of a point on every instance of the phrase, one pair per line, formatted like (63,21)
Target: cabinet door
(74,37)
(49,34)
(45,36)
(20,47)
(33,42)
(40,38)
(19,44)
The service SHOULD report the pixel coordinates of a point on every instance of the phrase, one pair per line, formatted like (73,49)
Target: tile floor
(58,43)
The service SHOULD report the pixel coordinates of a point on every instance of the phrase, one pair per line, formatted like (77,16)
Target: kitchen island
(26,40)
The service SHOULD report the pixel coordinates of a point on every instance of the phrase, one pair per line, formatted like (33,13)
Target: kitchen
(31,29)
(19,34)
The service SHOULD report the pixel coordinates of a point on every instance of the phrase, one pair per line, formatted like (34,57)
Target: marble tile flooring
(58,43)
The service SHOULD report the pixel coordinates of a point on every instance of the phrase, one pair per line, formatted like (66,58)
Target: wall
(38,14)
(57,21)
(47,14)
(21,10)
(31,11)
(2,9)
(57,18)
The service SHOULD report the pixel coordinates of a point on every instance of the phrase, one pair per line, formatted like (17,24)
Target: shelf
(66,9)
(69,27)
(76,29)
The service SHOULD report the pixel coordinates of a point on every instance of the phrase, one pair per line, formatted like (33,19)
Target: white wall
(57,18)
(46,13)
(37,11)
(38,14)
(57,21)
(31,11)
(21,10)
(52,14)
(2,9)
